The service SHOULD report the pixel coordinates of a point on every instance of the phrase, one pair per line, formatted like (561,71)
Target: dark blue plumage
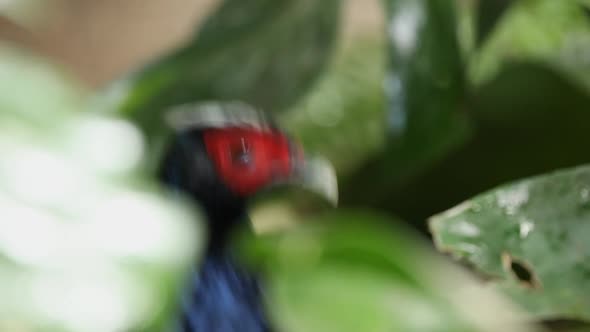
(223,297)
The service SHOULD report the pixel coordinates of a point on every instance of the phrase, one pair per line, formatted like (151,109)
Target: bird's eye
(241,154)
(241,159)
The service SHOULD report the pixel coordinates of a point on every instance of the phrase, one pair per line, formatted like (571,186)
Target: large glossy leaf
(353,271)
(263,52)
(86,242)
(426,118)
(530,238)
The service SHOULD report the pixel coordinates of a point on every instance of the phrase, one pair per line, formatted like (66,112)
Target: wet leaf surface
(531,238)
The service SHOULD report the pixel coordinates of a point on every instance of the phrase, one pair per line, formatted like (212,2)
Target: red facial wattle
(249,159)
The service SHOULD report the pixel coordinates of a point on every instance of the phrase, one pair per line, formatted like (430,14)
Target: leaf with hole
(530,238)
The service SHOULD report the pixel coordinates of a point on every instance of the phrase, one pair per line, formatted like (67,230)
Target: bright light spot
(68,215)
(403,29)
(457,210)
(140,226)
(106,144)
(28,236)
(465,228)
(526,227)
(86,301)
(467,248)
(40,176)
(513,199)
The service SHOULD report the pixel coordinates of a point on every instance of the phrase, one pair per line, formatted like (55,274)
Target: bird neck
(222,222)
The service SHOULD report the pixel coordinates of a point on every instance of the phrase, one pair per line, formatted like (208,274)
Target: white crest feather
(212,114)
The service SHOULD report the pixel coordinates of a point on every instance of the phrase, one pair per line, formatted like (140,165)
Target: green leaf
(530,238)
(342,118)
(32,90)
(426,118)
(527,119)
(87,242)
(555,33)
(488,14)
(263,52)
(357,271)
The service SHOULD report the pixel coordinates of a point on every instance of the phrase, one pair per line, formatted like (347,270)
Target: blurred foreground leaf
(86,242)
(352,271)
(263,52)
(531,238)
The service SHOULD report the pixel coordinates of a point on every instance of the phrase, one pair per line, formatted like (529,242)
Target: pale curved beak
(317,174)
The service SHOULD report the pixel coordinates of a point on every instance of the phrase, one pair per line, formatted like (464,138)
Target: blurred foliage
(488,15)
(425,89)
(357,271)
(518,134)
(527,117)
(347,101)
(451,99)
(462,82)
(53,90)
(531,238)
(553,32)
(86,243)
(264,52)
